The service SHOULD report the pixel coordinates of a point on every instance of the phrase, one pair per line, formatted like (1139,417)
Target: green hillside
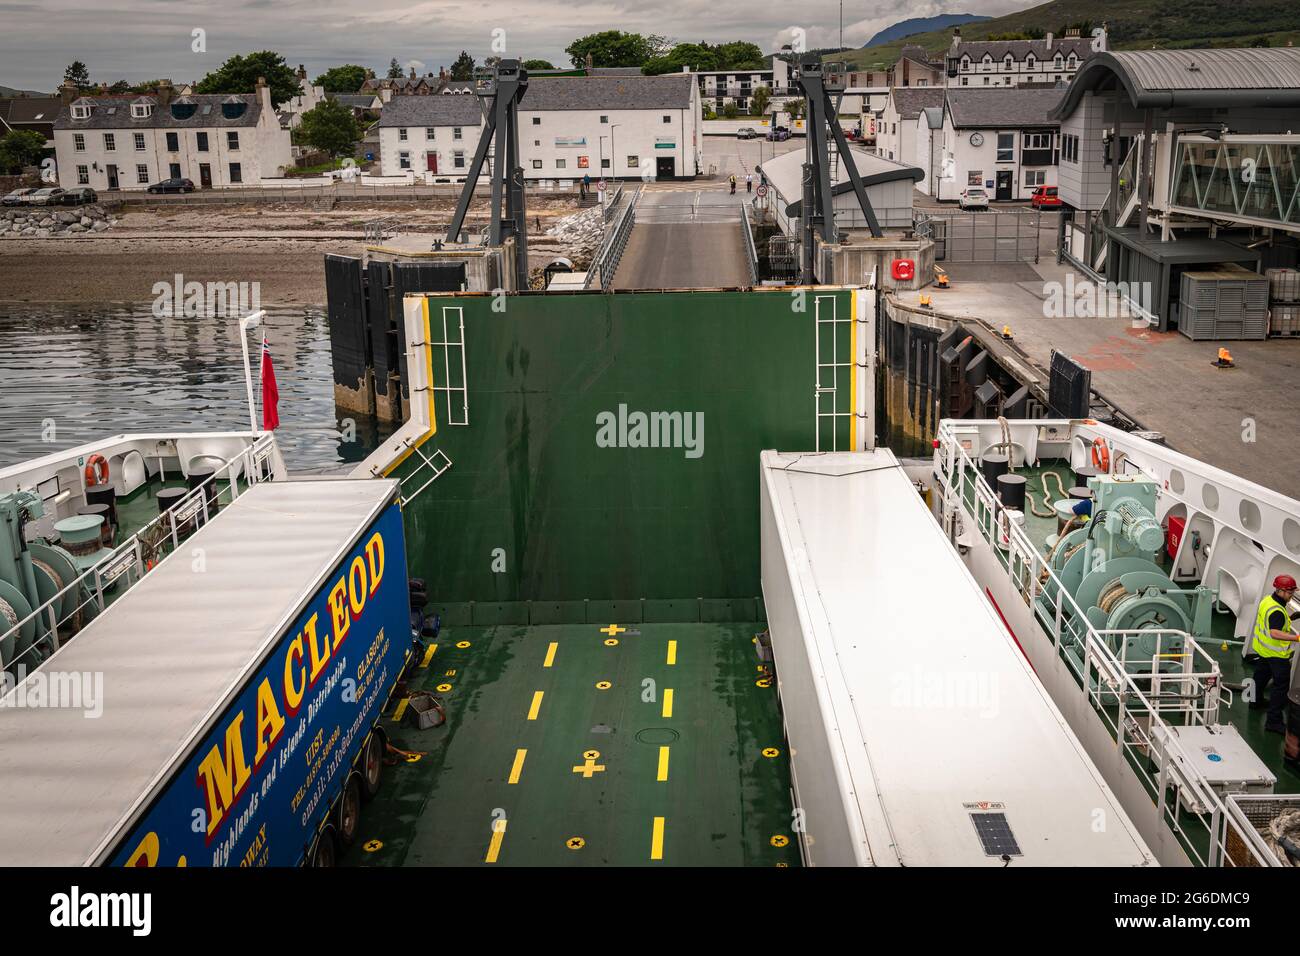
(1133,24)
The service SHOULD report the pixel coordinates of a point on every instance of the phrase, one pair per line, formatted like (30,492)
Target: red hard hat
(1284,582)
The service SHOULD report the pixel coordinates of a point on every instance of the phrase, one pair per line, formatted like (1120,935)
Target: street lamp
(613,152)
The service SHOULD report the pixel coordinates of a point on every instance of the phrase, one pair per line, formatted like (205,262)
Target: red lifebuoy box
(904,270)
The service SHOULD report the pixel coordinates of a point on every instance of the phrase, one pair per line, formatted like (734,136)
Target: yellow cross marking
(443,688)
(536,706)
(518,767)
(672,652)
(371,846)
(575,843)
(780,840)
(668,702)
(550,654)
(494,848)
(428,655)
(462,644)
(657,840)
(589,767)
(663,765)
(612,630)
(770,752)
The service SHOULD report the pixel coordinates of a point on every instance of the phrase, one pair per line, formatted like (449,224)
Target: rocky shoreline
(39,222)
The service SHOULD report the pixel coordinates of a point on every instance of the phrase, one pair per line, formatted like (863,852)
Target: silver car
(973,198)
(45,197)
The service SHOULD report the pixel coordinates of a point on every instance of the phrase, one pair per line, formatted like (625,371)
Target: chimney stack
(164,92)
(1049,38)
(264,96)
(956,37)
(412,72)
(68,92)
(588,62)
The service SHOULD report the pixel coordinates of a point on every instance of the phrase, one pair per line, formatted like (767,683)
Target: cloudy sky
(146,39)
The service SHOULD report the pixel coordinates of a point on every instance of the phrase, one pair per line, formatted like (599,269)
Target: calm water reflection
(92,372)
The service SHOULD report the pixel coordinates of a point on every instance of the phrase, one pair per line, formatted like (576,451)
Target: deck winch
(1109,566)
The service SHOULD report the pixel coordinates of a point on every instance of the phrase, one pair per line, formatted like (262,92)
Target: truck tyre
(324,854)
(350,811)
(372,765)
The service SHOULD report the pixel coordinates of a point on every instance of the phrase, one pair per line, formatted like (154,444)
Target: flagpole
(248,322)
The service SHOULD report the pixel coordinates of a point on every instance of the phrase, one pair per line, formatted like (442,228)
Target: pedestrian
(1271,647)
(586,184)
(733,184)
(749,182)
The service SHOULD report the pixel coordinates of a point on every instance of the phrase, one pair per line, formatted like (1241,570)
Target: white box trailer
(918,732)
(242,681)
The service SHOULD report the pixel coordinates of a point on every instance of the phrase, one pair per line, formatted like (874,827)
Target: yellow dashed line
(657,840)
(518,766)
(672,652)
(428,655)
(401,709)
(494,848)
(663,765)
(537,705)
(668,702)
(550,654)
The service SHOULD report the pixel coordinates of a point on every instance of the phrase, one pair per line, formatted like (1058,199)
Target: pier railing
(605,262)
(128,563)
(1134,716)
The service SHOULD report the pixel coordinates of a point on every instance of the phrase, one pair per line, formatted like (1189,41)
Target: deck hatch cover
(995,834)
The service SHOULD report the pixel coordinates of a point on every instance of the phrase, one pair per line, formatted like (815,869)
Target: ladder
(829,327)
(457,396)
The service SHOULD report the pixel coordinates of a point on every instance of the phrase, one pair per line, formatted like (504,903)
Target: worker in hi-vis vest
(1271,648)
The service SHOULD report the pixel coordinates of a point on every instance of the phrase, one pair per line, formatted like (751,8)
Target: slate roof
(416,111)
(671,91)
(1081,47)
(114,112)
(910,100)
(1002,107)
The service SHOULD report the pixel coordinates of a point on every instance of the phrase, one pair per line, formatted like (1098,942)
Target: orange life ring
(96,471)
(1101,454)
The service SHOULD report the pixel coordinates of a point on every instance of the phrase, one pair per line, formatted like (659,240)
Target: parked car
(1045,197)
(78,196)
(747,132)
(49,196)
(973,198)
(173,186)
(778,134)
(19,197)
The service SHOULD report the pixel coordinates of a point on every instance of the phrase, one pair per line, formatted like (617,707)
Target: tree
(77,75)
(730,110)
(394,69)
(19,149)
(463,67)
(739,55)
(758,102)
(538,65)
(330,127)
(240,73)
(342,79)
(794,107)
(610,48)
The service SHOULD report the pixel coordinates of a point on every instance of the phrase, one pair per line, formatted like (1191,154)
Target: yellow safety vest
(1264,645)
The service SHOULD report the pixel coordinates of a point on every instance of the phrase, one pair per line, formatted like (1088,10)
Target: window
(537,164)
(965,81)
(428,133)
(142,174)
(1070,148)
(79,142)
(1031,62)
(965,64)
(232,139)
(141,110)
(81,112)
(537,121)
(404,160)
(110,142)
(1038,141)
(560,164)
(401,134)
(986,81)
(1007,62)
(604,164)
(236,173)
(173,144)
(537,142)
(668,119)
(1035,177)
(83,175)
(455,132)
(458,159)
(1006,148)
(201,140)
(139,142)
(604,119)
(633,162)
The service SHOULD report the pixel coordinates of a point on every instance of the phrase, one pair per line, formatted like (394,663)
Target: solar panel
(995,834)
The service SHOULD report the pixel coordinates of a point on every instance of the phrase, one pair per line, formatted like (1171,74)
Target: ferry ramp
(686,239)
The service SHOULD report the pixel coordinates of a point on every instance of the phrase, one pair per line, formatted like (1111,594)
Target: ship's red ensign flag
(270,393)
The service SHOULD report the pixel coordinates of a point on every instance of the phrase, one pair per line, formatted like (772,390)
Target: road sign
(761,190)
(600,186)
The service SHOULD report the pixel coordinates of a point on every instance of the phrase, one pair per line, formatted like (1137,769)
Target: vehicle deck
(626,745)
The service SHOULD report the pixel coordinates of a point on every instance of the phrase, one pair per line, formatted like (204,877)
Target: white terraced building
(131,142)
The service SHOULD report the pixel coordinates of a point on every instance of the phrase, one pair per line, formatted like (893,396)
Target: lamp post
(250,321)
(605,191)
(613,152)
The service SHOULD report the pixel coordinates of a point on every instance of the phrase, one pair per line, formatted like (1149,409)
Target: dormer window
(1073,61)
(233,107)
(1007,61)
(1030,61)
(184,108)
(81,109)
(988,61)
(1060,62)
(141,109)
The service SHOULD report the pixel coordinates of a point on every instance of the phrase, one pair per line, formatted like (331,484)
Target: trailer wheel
(372,765)
(325,853)
(350,811)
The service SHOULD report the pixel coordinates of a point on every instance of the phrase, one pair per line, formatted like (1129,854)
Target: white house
(1051,60)
(896,127)
(720,87)
(130,142)
(1002,140)
(569,126)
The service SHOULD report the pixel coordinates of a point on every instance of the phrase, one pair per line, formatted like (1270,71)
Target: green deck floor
(591,781)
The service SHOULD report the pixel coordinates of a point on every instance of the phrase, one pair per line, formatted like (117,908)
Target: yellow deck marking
(657,840)
(518,766)
(550,654)
(668,702)
(401,709)
(672,652)
(612,630)
(494,848)
(537,705)
(663,765)
(589,767)
(428,655)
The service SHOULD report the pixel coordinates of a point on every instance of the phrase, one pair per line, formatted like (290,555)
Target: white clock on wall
(977,139)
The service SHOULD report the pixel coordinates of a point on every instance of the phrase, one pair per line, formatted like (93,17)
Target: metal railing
(751,252)
(611,207)
(378,230)
(1130,715)
(131,560)
(604,264)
